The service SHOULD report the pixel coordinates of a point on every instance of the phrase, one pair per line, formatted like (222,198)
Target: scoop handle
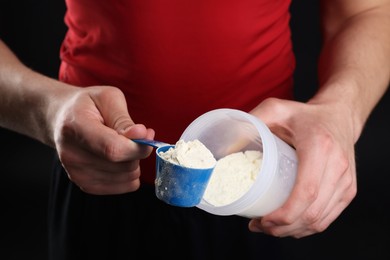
(154,143)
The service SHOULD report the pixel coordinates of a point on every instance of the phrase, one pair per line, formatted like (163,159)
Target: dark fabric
(138,226)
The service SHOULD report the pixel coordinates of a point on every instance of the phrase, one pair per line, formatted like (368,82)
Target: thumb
(270,111)
(276,114)
(111,103)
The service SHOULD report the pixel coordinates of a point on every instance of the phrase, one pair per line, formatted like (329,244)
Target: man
(198,56)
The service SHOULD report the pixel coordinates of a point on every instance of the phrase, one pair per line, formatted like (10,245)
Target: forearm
(25,98)
(354,68)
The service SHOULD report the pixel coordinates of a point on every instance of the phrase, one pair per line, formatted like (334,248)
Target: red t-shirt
(175,60)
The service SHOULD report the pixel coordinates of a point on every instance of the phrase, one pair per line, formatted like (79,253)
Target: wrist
(338,103)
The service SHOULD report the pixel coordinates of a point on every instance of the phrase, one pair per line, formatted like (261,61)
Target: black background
(34,30)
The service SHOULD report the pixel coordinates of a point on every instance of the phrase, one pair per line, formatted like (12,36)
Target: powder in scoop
(191,154)
(232,177)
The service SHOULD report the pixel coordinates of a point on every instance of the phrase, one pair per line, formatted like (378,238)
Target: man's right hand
(92,130)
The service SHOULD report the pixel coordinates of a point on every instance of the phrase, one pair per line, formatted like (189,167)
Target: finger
(109,187)
(96,176)
(77,160)
(335,182)
(342,196)
(331,188)
(334,210)
(88,132)
(83,177)
(337,187)
(272,111)
(112,105)
(337,191)
(138,131)
(311,168)
(105,142)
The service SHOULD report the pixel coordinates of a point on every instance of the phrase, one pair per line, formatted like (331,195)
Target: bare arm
(25,98)
(354,73)
(354,67)
(89,127)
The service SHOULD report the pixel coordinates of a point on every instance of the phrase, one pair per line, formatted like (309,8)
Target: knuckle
(318,227)
(112,152)
(343,163)
(310,192)
(134,173)
(134,185)
(66,130)
(276,105)
(286,220)
(350,194)
(312,216)
(323,137)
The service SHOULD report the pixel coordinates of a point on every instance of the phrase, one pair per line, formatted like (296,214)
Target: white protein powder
(191,154)
(232,177)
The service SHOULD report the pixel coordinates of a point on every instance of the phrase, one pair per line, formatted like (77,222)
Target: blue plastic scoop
(175,184)
(154,143)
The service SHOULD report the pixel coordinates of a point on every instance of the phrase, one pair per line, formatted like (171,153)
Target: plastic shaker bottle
(225,131)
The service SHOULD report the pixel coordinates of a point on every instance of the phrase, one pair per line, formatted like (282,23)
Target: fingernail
(255,227)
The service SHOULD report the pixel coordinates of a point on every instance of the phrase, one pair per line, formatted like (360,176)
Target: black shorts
(137,225)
